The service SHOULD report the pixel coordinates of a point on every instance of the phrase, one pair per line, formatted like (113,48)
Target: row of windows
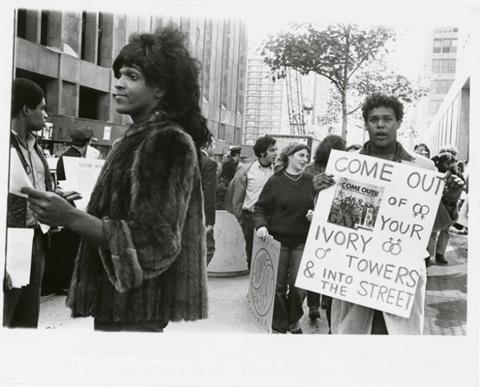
(443,66)
(441,86)
(447,45)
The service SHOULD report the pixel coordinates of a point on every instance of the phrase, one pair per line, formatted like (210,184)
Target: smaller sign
(263,279)
(107,133)
(81,175)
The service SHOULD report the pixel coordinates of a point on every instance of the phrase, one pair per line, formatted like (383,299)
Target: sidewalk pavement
(445,311)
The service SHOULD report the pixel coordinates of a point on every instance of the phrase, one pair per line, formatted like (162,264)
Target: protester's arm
(263,208)
(447,212)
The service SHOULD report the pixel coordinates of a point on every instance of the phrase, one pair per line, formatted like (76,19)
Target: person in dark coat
(322,153)
(141,261)
(208,170)
(64,243)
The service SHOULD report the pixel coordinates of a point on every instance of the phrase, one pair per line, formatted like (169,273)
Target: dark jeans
(378,325)
(210,244)
(289,299)
(313,299)
(22,306)
(142,326)
(247,225)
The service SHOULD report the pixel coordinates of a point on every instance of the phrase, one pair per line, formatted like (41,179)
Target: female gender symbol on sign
(420,209)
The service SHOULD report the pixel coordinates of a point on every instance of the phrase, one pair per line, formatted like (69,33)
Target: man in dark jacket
(208,170)
(60,258)
(22,305)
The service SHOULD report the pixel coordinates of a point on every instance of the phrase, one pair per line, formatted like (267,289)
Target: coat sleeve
(264,205)
(163,174)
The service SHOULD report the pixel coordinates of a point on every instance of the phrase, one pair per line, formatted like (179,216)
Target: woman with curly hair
(281,211)
(141,260)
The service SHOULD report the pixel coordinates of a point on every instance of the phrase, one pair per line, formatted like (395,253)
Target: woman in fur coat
(141,261)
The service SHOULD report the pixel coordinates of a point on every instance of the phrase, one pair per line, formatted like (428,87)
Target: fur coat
(149,197)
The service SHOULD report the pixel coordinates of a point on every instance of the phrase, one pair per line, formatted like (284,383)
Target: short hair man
(22,305)
(246,186)
(383,116)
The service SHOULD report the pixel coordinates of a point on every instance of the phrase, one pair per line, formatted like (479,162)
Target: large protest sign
(81,175)
(369,232)
(263,279)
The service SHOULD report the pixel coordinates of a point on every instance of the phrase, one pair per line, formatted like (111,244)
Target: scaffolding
(296,116)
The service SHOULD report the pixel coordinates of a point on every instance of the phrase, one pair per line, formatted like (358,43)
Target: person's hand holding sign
(453,187)
(262,232)
(49,207)
(322,181)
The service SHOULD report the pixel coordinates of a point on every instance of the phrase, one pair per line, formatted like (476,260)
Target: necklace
(296,178)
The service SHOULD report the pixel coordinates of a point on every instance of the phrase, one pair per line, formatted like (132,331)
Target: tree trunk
(344,116)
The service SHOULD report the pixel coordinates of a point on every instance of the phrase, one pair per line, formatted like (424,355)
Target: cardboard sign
(263,279)
(369,232)
(81,176)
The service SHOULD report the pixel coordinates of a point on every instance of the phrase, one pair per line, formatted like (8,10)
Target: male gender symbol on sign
(262,281)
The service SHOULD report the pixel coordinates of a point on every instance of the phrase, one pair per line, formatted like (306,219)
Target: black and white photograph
(151,144)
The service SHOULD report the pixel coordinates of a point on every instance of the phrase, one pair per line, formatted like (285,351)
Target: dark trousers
(142,326)
(313,299)
(247,225)
(287,308)
(379,327)
(210,244)
(22,306)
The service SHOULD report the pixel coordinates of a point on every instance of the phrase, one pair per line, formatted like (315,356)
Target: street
(445,311)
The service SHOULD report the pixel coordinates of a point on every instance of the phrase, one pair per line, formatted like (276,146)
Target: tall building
(70,55)
(263,103)
(440,68)
(451,123)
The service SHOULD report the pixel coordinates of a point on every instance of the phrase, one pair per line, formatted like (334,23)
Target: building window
(221,132)
(22,23)
(437,45)
(44,28)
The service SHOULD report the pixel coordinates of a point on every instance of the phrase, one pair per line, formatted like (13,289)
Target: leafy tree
(336,52)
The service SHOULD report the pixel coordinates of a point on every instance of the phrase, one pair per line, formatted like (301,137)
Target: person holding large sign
(281,211)
(383,116)
(141,261)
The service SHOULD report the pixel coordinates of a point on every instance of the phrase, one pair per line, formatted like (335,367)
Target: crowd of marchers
(142,247)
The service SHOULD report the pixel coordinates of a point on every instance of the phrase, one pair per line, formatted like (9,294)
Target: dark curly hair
(376,100)
(25,93)
(262,144)
(165,62)
(322,153)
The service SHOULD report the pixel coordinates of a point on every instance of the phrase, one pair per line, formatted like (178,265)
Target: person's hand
(322,181)
(68,195)
(262,232)
(453,187)
(309,215)
(49,207)
(209,228)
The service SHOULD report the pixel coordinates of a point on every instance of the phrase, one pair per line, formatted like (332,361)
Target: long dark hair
(165,62)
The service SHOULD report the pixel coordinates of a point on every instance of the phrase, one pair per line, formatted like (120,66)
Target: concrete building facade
(451,123)
(440,68)
(70,55)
